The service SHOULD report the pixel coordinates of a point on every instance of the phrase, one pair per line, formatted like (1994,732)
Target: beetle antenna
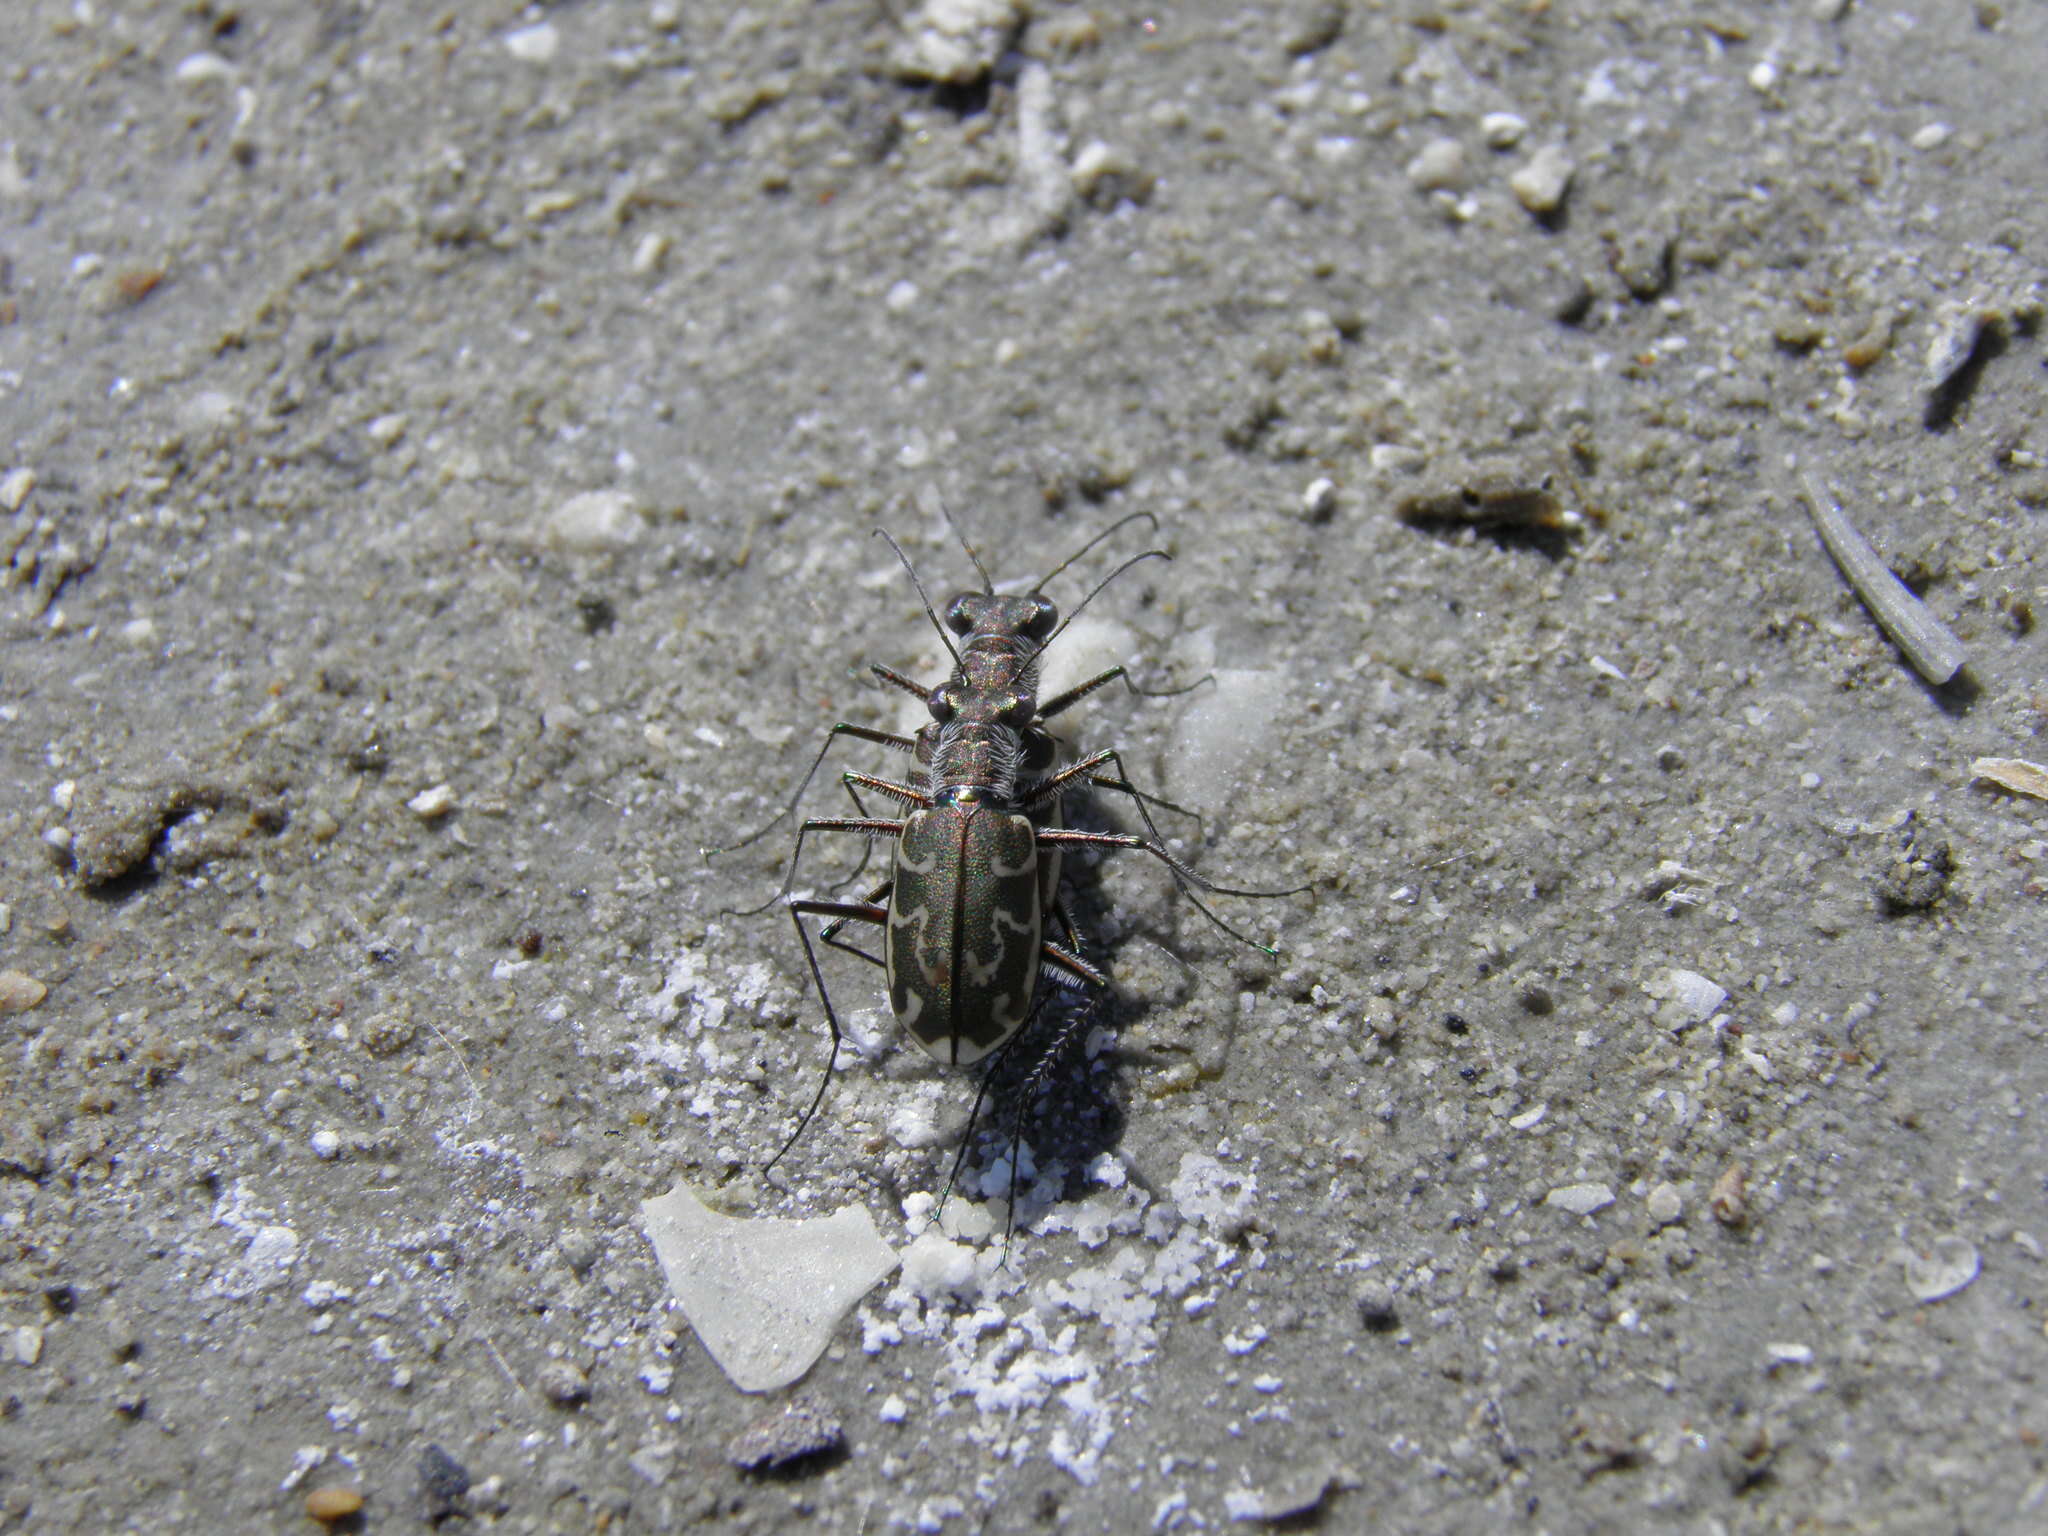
(1150,554)
(988,584)
(910,570)
(1113,528)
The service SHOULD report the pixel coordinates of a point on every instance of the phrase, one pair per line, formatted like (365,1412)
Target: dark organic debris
(1915,868)
(1511,507)
(805,1428)
(444,1483)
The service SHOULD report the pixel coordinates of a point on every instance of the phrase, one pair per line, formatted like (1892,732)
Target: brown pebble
(1871,345)
(1729,1198)
(20,992)
(328,1505)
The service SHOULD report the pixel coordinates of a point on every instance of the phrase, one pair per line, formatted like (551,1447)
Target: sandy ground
(439,448)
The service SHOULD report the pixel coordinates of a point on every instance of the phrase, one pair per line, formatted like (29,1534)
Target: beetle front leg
(840,912)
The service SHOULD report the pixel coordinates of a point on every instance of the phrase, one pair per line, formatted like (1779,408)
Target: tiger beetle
(975,868)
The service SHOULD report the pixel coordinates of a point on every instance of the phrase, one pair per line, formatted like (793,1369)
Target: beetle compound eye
(1015,710)
(1045,618)
(944,704)
(960,614)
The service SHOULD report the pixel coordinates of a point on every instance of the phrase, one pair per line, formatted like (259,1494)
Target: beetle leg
(829,934)
(843,728)
(853,784)
(843,911)
(873,826)
(1185,876)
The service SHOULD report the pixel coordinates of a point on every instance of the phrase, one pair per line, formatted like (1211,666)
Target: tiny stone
(1540,185)
(535,44)
(649,253)
(1320,499)
(15,486)
(1949,1265)
(1440,166)
(1933,136)
(443,1482)
(432,804)
(1580,1199)
(1729,1199)
(1503,130)
(594,522)
(203,69)
(563,1384)
(328,1505)
(386,430)
(326,1145)
(1763,77)
(20,992)
(1104,177)
(893,1410)
(1314,27)
(1376,1306)
(1670,759)
(1664,1205)
(804,1428)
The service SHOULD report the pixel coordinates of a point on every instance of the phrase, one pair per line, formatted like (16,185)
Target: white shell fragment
(2013,773)
(1948,1266)
(1929,644)
(764,1296)
(1699,997)
(1580,1199)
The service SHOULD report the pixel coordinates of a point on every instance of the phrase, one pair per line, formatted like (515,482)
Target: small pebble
(804,1428)
(1949,1265)
(1580,1199)
(1664,1205)
(20,992)
(1933,136)
(563,1384)
(432,804)
(1396,458)
(594,522)
(326,1145)
(535,44)
(1503,130)
(649,253)
(328,1505)
(1320,499)
(1541,184)
(386,430)
(15,486)
(443,1483)
(203,69)
(1313,26)
(1763,78)
(1729,1198)
(1440,166)
(1376,1306)
(1103,177)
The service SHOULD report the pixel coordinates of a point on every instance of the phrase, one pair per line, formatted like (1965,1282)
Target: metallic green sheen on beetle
(965,921)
